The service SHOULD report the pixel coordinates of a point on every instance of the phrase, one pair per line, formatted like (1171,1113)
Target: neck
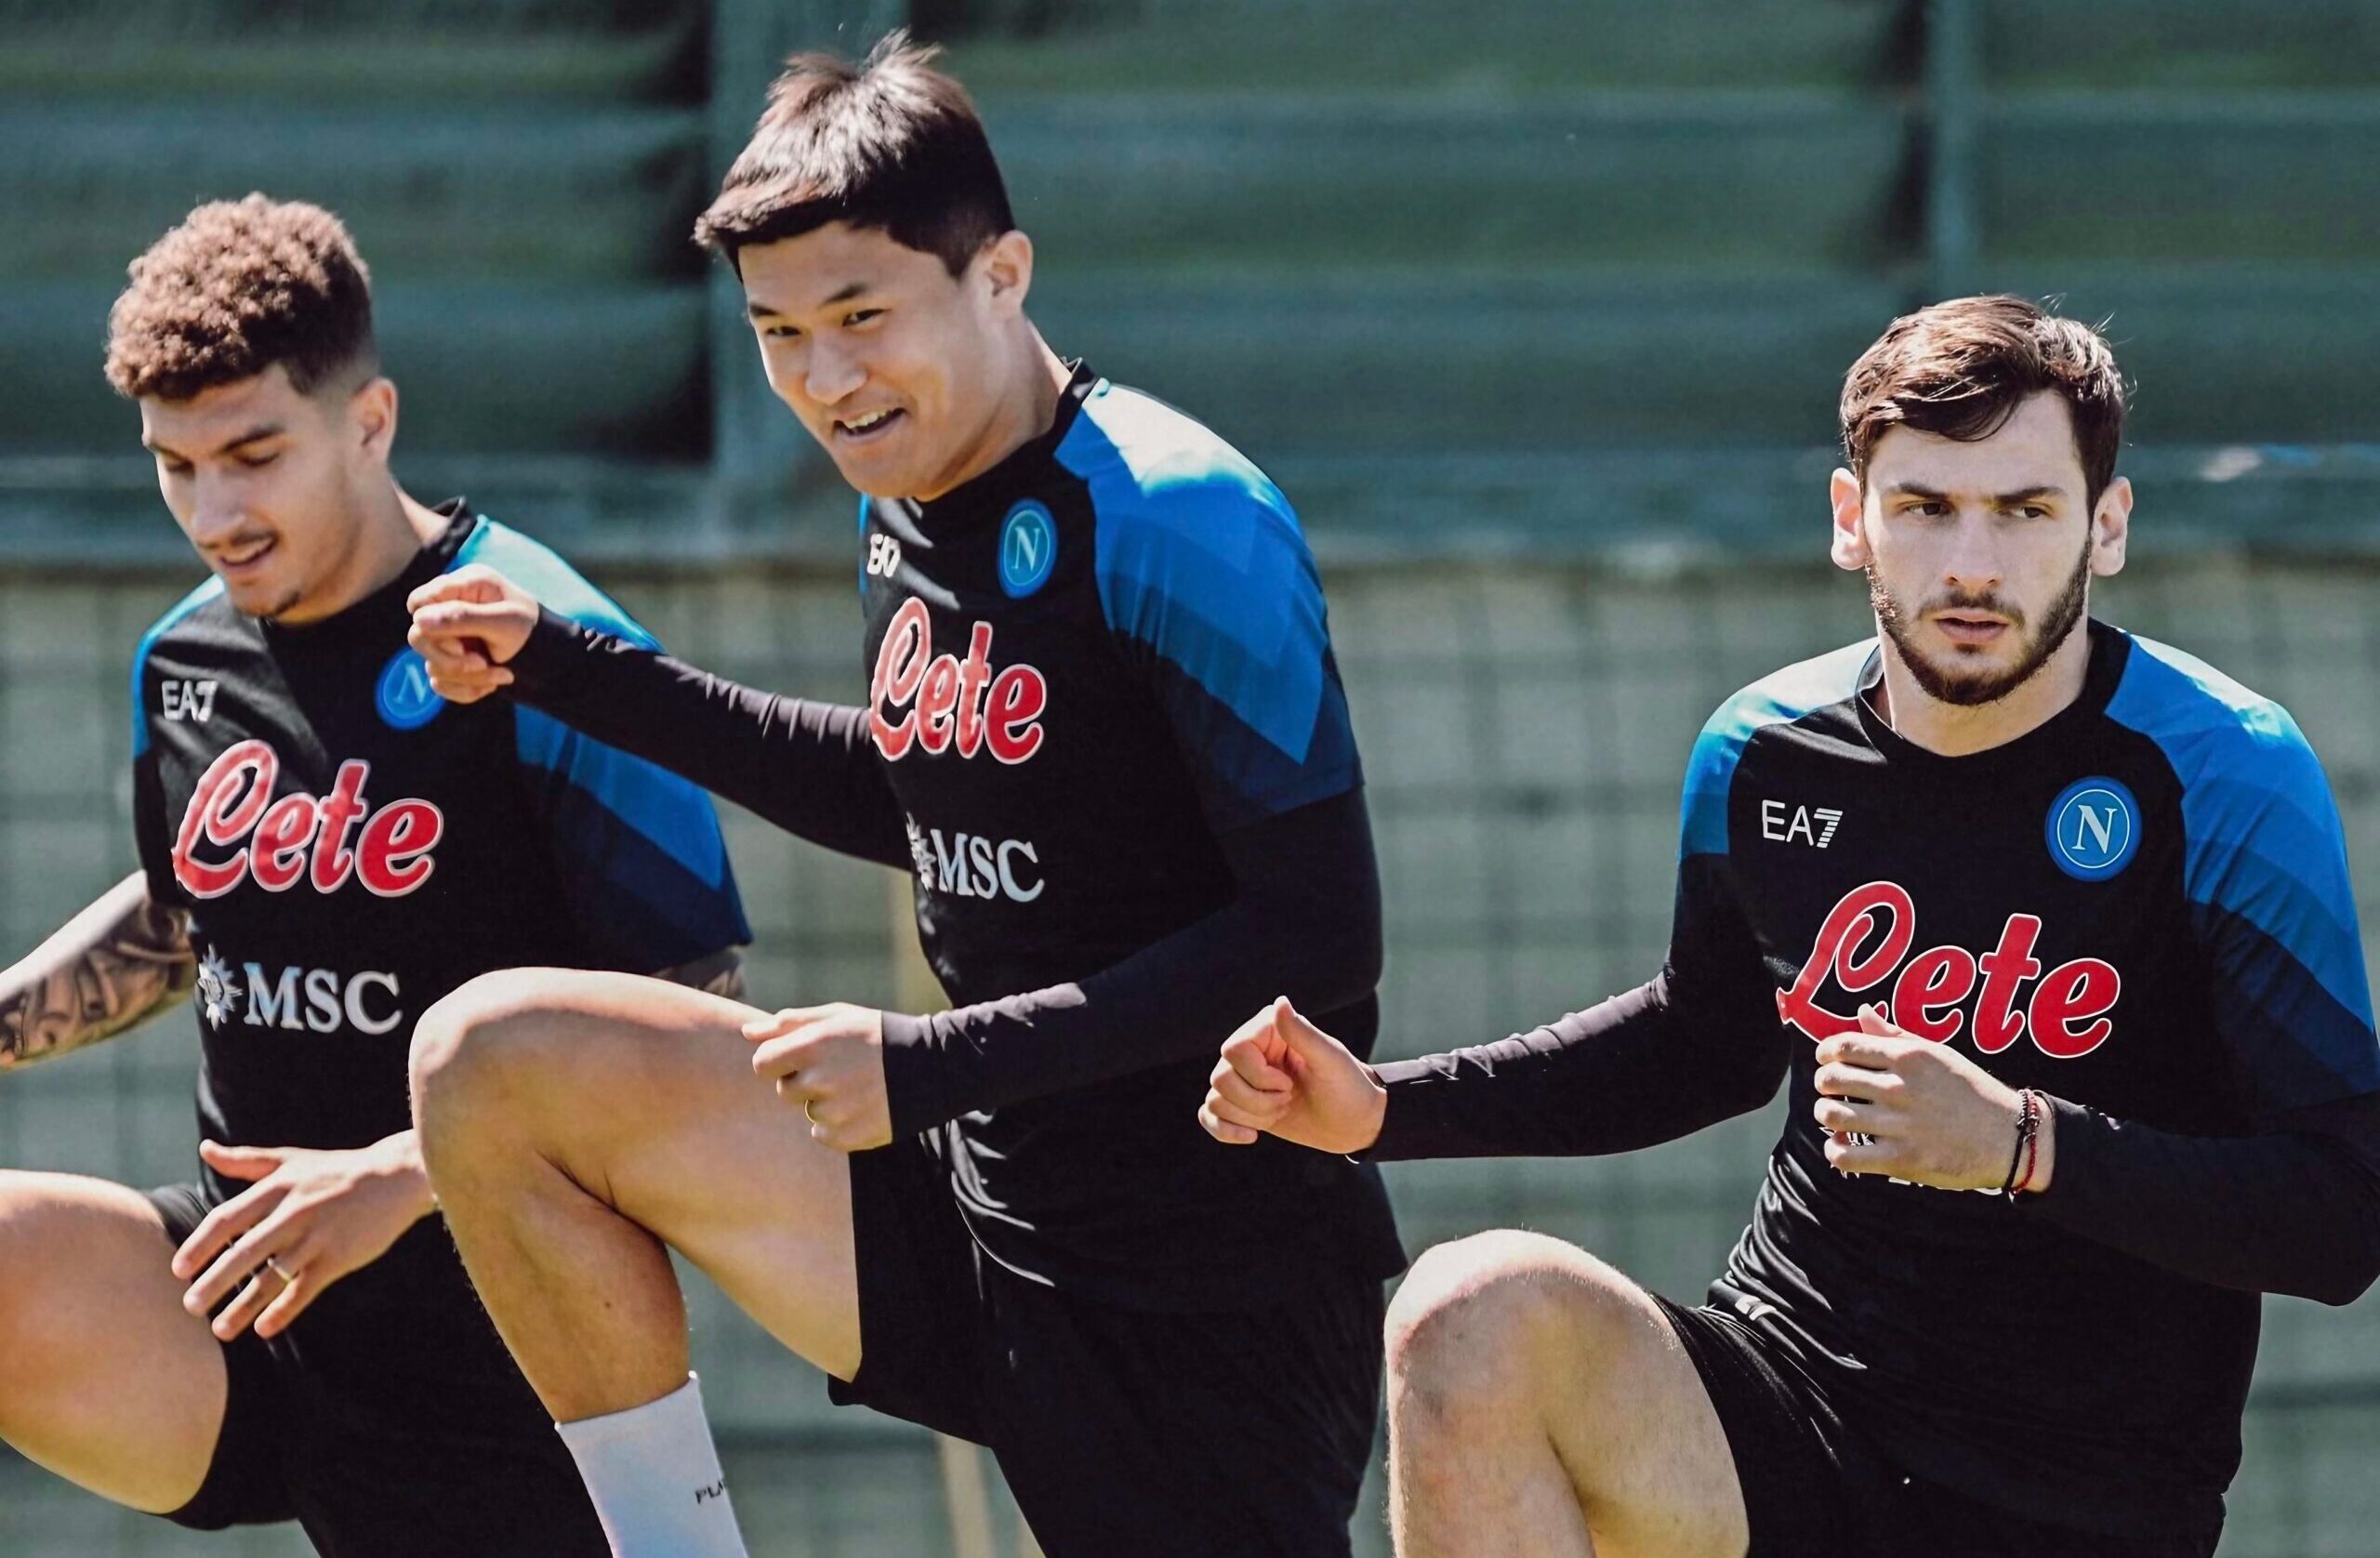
(1957,729)
(394,530)
(1025,409)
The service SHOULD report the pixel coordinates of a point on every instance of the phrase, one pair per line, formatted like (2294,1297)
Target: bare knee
(484,1046)
(1482,1323)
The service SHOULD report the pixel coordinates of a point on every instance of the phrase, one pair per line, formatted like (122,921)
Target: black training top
(1106,734)
(2141,908)
(350,848)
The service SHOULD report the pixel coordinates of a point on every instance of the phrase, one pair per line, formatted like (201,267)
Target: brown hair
(891,143)
(237,287)
(1961,368)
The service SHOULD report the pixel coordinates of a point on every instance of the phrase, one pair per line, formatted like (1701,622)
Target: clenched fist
(1281,1075)
(466,624)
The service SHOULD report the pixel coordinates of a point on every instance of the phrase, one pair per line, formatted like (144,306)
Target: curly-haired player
(326,848)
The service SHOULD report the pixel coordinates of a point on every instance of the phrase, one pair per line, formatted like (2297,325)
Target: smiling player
(326,848)
(2014,903)
(1104,730)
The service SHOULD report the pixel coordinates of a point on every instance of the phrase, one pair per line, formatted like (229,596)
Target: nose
(832,372)
(1974,565)
(216,511)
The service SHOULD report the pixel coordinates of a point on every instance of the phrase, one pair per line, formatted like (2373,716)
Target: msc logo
(1028,550)
(408,701)
(2093,829)
(970,865)
(298,1000)
(1814,825)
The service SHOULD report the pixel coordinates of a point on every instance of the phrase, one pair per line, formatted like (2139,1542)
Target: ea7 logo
(190,700)
(1809,825)
(883,555)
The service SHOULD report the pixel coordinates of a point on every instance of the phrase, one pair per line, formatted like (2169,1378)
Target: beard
(1969,689)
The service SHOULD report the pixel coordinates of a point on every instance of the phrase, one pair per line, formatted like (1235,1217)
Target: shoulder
(1780,698)
(199,604)
(1164,485)
(2214,732)
(541,571)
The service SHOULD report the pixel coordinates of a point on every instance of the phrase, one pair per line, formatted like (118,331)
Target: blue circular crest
(1028,550)
(2094,828)
(406,700)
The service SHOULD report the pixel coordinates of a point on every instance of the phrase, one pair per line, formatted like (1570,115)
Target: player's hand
(830,1061)
(1931,1115)
(466,624)
(1281,1075)
(308,1218)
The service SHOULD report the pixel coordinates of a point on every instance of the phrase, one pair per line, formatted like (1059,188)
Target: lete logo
(959,703)
(300,836)
(2067,1016)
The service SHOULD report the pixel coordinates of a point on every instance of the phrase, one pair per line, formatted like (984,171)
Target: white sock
(653,1475)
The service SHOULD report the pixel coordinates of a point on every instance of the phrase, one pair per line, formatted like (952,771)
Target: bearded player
(2047,928)
(1106,734)
(326,848)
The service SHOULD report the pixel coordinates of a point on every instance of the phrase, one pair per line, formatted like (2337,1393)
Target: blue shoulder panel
(1778,699)
(674,818)
(157,629)
(1200,559)
(540,569)
(2265,866)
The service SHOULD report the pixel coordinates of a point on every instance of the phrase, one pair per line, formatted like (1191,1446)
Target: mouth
(244,559)
(853,431)
(1970,629)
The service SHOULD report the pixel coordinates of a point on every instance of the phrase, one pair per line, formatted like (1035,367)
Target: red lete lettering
(299,836)
(1866,936)
(939,703)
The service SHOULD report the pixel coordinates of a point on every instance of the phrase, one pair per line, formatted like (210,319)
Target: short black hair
(891,143)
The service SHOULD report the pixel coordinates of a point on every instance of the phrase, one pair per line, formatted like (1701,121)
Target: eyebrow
(1999,500)
(253,435)
(845,294)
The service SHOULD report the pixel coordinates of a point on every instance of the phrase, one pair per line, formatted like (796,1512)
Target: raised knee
(1481,1317)
(477,1043)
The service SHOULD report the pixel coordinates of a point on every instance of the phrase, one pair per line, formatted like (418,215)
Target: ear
(2110,528)
(1006,266)
(372,413)
(1847,544)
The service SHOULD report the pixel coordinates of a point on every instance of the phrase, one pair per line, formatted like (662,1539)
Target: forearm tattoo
(62,1001)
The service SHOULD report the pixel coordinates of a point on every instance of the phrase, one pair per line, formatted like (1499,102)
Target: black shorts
(1120,1430)
(365,1484)
(1811,1485)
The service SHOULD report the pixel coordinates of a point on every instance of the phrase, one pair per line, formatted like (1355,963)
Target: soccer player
(2050,929)
(1105,733)
(326,847)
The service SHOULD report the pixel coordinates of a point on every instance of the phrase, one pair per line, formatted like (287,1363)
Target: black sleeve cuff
(556,648)
(1417,1122)
(913,1075)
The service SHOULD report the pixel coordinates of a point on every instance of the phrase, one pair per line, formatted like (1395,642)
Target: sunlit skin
(285,496)
(1970,546)
(913,380)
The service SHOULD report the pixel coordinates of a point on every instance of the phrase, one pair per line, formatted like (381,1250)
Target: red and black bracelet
(2029,1130)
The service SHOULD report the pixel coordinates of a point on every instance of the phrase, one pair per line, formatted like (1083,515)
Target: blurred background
(1538,310)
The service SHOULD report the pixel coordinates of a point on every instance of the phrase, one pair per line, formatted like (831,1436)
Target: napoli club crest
(2094,828)
(1028,550)
(406,700)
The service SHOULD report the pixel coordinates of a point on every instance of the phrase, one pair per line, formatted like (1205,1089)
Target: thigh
(642,1092)
(104,1378)
(1171,1436)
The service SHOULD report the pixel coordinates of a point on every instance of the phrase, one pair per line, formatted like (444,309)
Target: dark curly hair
(1961,367)
(237,287)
